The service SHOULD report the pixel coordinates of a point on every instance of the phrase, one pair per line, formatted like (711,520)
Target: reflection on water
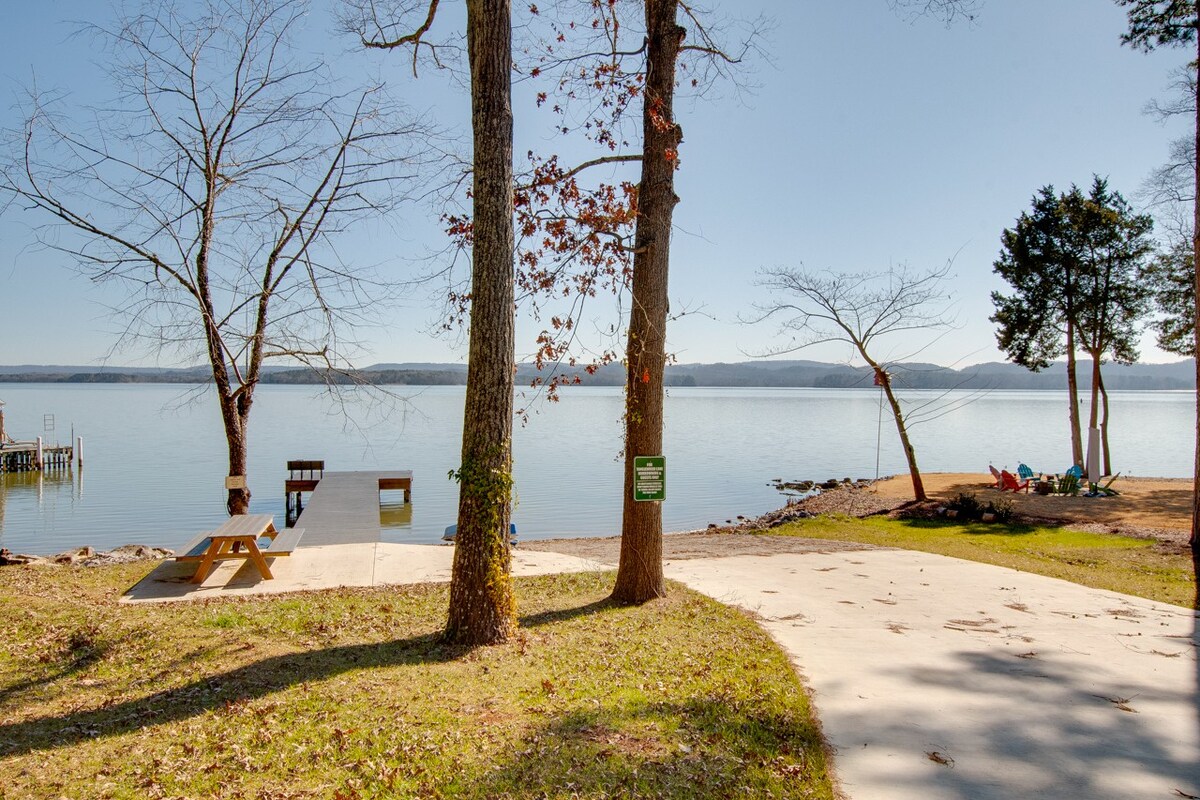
(22,493)
(395,517)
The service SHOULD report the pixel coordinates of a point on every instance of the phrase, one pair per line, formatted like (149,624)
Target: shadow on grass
(715,748)
(1052,730)
(83,652)
(248,682)
(989,528)
(565,614)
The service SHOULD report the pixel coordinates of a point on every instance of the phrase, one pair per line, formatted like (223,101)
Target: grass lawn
(349,694)
(1122,564)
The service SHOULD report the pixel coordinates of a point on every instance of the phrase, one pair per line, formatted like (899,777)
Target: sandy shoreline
(1147,502)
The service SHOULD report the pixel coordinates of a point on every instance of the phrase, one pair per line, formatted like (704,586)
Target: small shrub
(1002,510)
(967,506)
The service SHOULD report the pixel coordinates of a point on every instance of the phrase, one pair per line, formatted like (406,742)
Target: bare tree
(1169,192)
(675,46)
(858,310)
(482,605)
(613,71)
(213,189)
(1176,23)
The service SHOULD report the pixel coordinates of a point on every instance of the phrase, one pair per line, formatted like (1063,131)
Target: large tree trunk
(482,605)
(1094,404)
(1104,428)
(1073,397)
(1195,538)
(235,414)
(640,573)
(1094,407)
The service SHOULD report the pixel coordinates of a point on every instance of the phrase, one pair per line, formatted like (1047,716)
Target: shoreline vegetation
(758,374)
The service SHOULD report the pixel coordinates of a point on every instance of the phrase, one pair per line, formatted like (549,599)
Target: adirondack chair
(1070,482)
(1025,473)
(1009,483)
(996,474)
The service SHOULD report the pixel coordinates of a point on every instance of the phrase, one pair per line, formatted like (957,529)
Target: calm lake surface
(155,459)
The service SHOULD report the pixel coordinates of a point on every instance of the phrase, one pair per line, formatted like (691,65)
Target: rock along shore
(89,556)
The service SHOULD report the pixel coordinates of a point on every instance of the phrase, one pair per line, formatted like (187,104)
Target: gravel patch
(744,538)
(696,544)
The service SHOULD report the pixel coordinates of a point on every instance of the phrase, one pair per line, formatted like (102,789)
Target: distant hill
(767,374)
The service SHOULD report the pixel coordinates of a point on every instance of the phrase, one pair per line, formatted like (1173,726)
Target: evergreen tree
(1076,265)
(1037,321)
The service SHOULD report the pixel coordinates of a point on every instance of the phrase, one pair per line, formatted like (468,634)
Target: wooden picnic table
(237,537)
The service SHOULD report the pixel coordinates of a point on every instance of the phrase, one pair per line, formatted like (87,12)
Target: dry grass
(350,694)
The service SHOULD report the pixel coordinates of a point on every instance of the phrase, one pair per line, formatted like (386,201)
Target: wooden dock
(344,507)
(23,457)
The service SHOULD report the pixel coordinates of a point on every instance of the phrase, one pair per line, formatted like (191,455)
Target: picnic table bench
(239,537)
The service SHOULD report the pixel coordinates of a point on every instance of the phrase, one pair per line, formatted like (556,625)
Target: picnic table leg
(206,563)
(257,557)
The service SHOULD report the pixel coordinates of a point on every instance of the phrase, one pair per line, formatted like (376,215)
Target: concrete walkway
(941,679)
(934,678)
(330,567)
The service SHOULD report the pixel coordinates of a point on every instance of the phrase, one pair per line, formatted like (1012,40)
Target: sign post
(649,478)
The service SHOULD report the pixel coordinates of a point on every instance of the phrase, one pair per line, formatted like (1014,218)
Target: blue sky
(871,141)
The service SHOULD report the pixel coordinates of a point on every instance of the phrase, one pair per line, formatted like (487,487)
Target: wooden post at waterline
(40,459)
(79,450)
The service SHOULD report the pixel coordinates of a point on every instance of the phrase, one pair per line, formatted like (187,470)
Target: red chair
(1011,484)
(996,474)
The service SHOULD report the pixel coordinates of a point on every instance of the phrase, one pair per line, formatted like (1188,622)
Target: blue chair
(1025,473)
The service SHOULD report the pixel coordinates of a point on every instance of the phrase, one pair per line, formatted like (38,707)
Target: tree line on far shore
(1177,376)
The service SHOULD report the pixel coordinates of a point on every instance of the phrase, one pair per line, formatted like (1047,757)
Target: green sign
(649,478)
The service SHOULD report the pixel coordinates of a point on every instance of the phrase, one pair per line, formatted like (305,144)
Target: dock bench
(240,537)
(303,476)
(397,479)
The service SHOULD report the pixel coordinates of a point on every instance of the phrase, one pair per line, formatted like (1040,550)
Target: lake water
(155,454)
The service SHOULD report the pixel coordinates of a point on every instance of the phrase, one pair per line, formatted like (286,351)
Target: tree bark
(1194,541)
(910,454)
(482,605)
(1094,403)
(640,573)
(235,416)
(1104,428)
(1073,397)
